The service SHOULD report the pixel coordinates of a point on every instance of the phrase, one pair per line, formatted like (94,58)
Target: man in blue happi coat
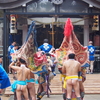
(4,79)
(46,47)
(9,49)
(91,50)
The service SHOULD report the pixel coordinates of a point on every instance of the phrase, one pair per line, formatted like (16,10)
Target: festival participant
(31,86)
(42,89)
(12,45)
(72,67)
(91,50)
(53,58)
(20,85)
(4,80)
(46,47)
(64,91)
(81,79)
(9,50)
(59,62)
(12,51)
(49,68)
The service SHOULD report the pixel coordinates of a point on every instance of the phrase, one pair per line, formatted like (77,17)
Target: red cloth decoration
(68,28)
(40,58)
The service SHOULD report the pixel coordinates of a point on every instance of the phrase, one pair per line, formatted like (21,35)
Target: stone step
(91,85)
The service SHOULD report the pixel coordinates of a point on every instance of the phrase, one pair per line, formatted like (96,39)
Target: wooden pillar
(5,48)
(86,32)
(25,29)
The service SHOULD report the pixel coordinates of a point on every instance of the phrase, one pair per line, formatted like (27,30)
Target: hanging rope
(55,23)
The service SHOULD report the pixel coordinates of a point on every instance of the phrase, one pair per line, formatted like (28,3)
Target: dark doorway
(16,37)
(46,32)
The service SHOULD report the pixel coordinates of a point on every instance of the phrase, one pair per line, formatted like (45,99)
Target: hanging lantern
(13,26)
(95,26)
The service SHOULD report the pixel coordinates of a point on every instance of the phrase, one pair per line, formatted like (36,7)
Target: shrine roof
(9,4)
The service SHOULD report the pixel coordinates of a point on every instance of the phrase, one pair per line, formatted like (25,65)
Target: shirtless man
(31,86)
(71,68)
(20,85)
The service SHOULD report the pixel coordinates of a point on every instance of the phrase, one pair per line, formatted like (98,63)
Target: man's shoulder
(28,70)
(66,62)
(40,46)
(77,62)
(91,46)
(50,45)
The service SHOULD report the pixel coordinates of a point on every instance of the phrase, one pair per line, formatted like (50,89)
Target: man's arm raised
(12,65)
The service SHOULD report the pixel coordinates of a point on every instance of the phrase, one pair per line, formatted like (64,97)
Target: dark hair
(22,61)
(45,40)
(13,42)
(48,54)
(16,45)
(71,56)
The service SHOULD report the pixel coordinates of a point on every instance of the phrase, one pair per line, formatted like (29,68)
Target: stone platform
(91,85)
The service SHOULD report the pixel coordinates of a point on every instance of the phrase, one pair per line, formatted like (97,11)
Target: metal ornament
(57,2)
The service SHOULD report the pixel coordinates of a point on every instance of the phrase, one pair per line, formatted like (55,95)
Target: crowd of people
(24,85)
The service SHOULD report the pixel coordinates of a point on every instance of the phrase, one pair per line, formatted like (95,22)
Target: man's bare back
(71,67)
(31,86)
(23,73)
